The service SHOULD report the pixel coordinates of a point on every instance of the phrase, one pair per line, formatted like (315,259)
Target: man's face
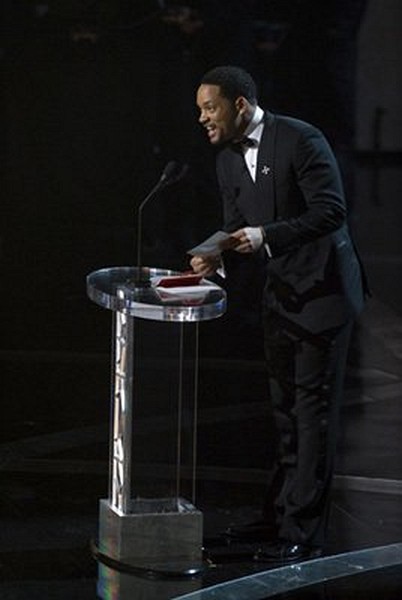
(221,117)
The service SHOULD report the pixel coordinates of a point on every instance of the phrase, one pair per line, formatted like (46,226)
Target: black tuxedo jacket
(313,277)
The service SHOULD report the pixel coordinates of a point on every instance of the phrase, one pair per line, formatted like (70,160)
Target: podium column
(121,417)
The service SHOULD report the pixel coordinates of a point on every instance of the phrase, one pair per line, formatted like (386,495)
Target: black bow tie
(244,142)
(249,142)
(241,145)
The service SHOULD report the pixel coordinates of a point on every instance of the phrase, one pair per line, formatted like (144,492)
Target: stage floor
(54,469)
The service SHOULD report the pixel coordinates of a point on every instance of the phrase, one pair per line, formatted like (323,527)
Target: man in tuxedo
(284,207)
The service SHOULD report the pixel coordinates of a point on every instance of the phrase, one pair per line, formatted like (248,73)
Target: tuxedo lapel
(265,175)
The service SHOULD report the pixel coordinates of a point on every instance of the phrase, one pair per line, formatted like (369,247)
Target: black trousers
(306,375)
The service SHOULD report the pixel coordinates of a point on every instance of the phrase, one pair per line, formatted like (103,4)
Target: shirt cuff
(254,236)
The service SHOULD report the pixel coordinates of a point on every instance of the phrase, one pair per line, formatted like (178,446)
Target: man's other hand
(250,239)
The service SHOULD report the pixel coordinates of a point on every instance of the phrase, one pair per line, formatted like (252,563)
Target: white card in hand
(214,245)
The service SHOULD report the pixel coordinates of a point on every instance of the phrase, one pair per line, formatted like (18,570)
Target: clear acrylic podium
(149,519)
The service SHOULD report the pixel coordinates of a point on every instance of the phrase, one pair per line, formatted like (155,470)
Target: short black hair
(233,81)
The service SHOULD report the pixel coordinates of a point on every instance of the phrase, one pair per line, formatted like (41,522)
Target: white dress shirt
(253,133)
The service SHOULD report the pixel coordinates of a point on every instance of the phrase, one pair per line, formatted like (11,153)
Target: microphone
(172,173)
(168,172)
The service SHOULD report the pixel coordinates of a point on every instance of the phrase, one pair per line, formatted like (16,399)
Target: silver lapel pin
(265,170)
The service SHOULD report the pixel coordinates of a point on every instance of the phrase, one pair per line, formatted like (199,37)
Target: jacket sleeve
(317,178)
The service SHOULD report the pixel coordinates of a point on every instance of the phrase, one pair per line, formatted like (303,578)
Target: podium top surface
(135,293)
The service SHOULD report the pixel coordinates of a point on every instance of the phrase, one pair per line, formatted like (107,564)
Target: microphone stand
(142,279)
(167,177)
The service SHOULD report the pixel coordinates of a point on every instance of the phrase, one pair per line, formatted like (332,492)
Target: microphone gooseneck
(172,173)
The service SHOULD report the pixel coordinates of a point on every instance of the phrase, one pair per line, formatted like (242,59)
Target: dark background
(98,96)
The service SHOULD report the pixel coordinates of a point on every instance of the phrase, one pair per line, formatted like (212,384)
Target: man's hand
(250,239)
(205,265)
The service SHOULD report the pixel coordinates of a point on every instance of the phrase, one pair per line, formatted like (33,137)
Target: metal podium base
(161,535)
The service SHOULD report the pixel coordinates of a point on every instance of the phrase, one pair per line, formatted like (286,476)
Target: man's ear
(241,105)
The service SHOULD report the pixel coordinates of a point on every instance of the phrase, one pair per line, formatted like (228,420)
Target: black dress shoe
(258,531)
(284,552)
